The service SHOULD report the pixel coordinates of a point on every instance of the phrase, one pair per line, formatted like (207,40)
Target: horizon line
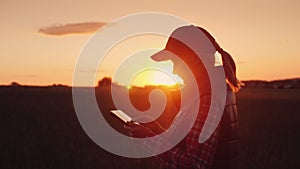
(14,83)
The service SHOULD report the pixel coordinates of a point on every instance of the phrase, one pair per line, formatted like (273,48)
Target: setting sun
(156,78)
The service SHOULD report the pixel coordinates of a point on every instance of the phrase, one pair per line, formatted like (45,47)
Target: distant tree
(15,84)
(106,81)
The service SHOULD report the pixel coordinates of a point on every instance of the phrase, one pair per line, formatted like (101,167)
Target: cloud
(73,28)
(31,75)
(241,62)
(28,75)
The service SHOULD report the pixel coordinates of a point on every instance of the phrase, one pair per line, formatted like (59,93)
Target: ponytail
(230,71)
(228,64)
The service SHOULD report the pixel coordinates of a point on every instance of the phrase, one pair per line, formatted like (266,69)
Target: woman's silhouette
(221,149)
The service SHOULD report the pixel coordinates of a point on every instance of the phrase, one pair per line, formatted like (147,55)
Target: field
(39,130)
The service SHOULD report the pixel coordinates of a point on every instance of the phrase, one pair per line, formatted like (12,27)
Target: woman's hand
(138,130)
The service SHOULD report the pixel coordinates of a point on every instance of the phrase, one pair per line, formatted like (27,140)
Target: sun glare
(155,78)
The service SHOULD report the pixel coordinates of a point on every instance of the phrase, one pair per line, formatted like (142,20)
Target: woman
(220,150)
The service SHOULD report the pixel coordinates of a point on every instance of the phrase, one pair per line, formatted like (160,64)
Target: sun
(155,77)
(139,69)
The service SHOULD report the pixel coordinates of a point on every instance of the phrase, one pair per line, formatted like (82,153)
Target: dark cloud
(73,28)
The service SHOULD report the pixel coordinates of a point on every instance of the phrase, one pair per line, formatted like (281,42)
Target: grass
(39,129)
(269,122)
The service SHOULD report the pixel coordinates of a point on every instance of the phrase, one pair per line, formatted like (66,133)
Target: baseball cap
(192,36)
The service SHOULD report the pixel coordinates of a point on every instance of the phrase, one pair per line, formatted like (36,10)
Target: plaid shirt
(192,154)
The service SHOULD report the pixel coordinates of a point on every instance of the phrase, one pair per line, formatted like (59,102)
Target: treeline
(276,84)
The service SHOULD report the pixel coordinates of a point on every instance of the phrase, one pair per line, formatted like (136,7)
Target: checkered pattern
(190,153)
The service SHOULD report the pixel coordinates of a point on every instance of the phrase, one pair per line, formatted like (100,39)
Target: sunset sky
(41,40)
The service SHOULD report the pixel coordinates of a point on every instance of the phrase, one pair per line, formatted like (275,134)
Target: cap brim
(162,55)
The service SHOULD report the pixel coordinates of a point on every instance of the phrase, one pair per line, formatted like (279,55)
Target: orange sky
(36,49)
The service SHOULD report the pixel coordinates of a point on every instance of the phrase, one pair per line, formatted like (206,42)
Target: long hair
(228,64)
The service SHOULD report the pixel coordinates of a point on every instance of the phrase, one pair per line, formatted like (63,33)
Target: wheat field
(39,130)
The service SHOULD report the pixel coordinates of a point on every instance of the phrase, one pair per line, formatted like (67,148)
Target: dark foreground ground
(39,130)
